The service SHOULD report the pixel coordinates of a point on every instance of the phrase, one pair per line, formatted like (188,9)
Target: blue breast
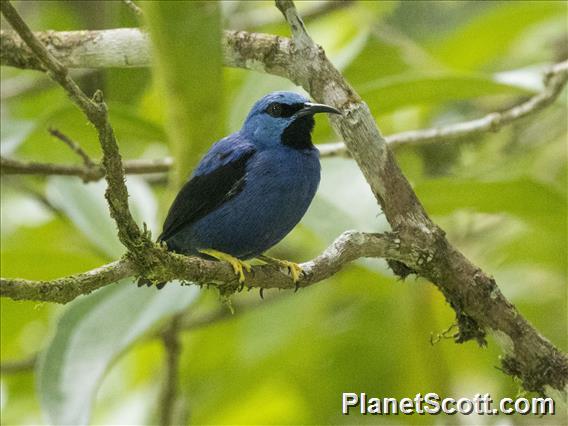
(279,186)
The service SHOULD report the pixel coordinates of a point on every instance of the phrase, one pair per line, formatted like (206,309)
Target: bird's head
(285,118)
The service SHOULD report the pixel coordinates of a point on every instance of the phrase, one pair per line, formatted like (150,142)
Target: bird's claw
(237,264)
(294,270)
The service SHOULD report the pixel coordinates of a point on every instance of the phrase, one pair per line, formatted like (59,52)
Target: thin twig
(345,249)
(133,7)
(421,246)
(477,301)
(258,17)
(9,166)
(75,147)
(18,366)
(169,393)
(96,111)
(187,323)
(555,80)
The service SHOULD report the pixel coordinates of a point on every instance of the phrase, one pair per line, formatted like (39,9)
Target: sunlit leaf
(86,206)
(187,63)
(389,94)
(91,334)
(132,132)
(345,33)
(488,36)
(13,133)
(531,201)
(20,209)
(343,202)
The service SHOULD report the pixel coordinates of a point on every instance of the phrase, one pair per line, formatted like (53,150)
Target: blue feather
(252,187)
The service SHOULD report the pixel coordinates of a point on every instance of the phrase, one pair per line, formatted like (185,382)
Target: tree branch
(187,323)
(346,248)
(9,166)
(74,146)
(96,112)
(133,7)
(129,47)
(475,297)
(418,245)
(554,82)
(554,79)
(63,290)
(118,48)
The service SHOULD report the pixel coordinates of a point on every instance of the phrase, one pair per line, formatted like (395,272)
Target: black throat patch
(298,135)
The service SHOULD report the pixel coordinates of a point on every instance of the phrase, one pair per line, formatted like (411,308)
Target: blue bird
(251,188)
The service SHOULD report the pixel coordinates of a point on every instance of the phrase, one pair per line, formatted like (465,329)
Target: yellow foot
(293,268)
(237,264)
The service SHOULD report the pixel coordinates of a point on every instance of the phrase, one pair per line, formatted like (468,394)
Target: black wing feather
(204,193)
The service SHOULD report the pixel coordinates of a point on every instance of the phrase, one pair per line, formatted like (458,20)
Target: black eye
(274,109)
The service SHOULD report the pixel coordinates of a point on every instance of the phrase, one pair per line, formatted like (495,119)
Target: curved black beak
(311,108)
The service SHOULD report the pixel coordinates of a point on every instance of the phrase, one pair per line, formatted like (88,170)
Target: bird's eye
(274,109)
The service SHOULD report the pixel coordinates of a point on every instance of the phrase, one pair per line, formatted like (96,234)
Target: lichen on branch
(417,244)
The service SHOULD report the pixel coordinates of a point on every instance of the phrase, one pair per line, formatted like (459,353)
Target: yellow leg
(237,264)
(293,268)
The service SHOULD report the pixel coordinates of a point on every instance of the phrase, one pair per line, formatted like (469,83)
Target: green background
(286,360)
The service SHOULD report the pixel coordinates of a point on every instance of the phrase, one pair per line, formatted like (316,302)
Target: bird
(251,188)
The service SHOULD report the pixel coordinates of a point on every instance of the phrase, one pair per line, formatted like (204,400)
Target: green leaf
(544,249)
(345,201)
(187,56)
(86,206)
(91,335)
(96,329)
(489,35)
(343,35)
(133,133)
(13,133)
(379,59)
(531,201)
(389,94)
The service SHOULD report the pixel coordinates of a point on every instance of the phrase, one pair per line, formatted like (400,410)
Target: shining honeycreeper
(251,188)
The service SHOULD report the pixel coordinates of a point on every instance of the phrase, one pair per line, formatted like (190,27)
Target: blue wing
(218,177)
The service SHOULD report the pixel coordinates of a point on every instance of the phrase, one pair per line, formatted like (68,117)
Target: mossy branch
(96,112)
(418,245)
(346,248)
(473,294)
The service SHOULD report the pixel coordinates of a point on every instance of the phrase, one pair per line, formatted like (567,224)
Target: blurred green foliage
(188,59)
(501,198)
